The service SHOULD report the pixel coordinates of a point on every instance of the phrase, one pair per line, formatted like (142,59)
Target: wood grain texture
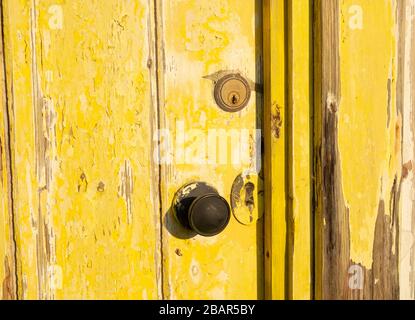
(407,75)
(299,149)
(275,110)
(8,261)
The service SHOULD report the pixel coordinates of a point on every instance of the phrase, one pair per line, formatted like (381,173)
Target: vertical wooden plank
(200,41)
(288,101)
(299,117)
(407,230)
(7,241)
(326,80)
(275,148)
(85,186)
(358,148)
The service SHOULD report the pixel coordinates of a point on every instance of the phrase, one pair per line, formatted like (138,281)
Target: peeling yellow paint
(7,238)
(299,149)
(368,117)
(212,37)
(82,109)
(86,189)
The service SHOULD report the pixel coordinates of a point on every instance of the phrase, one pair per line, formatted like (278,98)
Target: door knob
(199,208)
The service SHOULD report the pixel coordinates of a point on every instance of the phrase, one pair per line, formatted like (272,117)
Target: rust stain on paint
(276,122)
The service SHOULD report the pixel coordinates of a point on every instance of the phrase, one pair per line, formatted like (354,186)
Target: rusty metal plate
(246,199)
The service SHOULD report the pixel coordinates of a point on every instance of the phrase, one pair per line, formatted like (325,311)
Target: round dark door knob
(199,208)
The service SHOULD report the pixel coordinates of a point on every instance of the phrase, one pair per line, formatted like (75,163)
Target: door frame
(288,156)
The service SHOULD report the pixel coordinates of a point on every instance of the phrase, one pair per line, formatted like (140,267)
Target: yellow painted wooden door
(80,92)
(109,109)
(202,42)
(298,114)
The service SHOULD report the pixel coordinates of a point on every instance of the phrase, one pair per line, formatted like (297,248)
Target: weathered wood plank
(407,231)
(83,116)
(275,105)
(7,240)
(200,41)
(358,148)
(299,166)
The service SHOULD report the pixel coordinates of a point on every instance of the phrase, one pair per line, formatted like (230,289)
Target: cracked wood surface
(8,261)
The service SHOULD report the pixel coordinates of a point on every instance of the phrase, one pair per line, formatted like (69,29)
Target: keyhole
(249,199)
(232,92)
(234,98)
(249,194)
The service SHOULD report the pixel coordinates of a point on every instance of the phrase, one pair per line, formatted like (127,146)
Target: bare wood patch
(45,137)
(276,121)
(406,60)
(126,188)
(333,248)
(8,285)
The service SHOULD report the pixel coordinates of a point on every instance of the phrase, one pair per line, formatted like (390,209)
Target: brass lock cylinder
(232,92)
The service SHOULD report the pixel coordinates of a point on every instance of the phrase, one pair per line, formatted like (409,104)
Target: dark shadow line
(288,151)
(259,79)
(311,159)
(8,141)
